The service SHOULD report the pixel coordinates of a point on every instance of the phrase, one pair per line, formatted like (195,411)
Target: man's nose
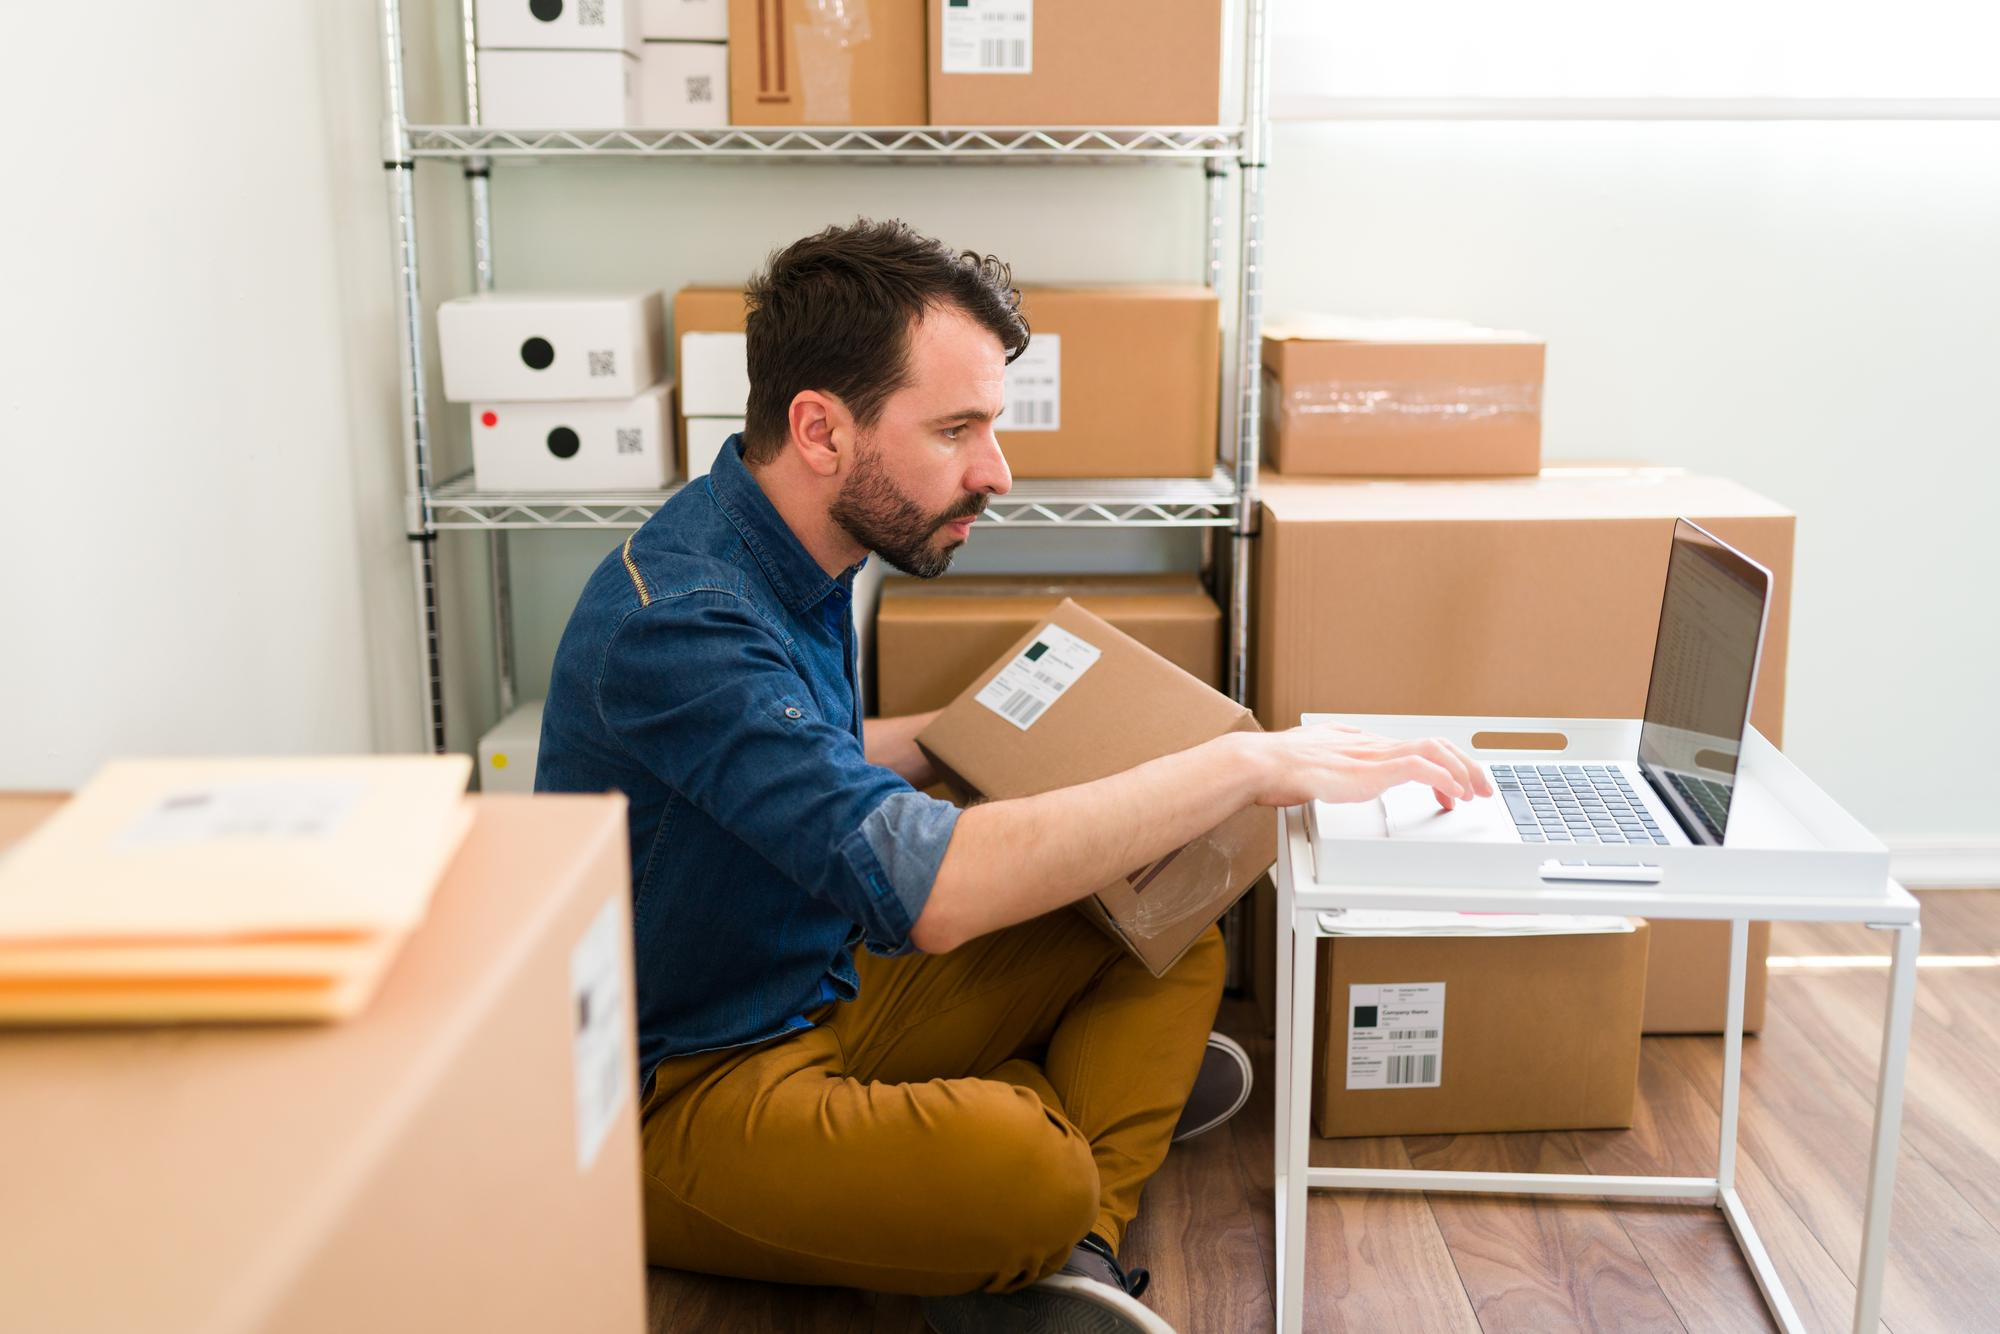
(989,472)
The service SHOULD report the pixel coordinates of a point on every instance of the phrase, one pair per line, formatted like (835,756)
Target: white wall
(191,406)
(199,407)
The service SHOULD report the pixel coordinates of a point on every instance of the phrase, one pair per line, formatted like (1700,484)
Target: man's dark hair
(834,311)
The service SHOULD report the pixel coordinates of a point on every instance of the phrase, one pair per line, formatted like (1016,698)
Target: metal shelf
(1152,502)
(918,143)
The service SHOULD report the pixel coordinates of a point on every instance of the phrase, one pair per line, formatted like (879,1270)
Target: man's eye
(953,432)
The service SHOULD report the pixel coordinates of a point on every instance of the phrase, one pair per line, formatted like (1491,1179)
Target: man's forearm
(1009,861)
(892,743)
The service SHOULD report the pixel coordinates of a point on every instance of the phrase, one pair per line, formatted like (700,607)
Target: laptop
(1677,790)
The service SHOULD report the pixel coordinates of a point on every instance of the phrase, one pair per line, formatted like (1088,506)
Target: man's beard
(876,514)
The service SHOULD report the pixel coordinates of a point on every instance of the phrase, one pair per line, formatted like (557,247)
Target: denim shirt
(709,673)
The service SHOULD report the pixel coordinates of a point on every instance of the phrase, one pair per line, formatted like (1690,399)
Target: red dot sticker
(489,419)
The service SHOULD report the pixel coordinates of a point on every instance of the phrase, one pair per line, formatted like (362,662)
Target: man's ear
(822,432)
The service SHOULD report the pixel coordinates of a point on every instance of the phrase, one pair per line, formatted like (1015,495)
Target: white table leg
(1732,1057)
(1292,1201)
(1281,1090)
(1888,1128)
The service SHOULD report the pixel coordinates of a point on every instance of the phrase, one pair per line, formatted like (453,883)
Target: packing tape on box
(826,74)
(1404,405)
(1200,866)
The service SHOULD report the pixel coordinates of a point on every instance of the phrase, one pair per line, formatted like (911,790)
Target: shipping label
(1038,676)
(1395,1035)
(989,37)
(597,1004)
(1034,387)
(269,808)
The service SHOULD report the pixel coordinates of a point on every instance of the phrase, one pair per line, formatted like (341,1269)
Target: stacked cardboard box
(547,64)
(935,637)
(684,64)
(713,370)
(567,393)
(1531,597)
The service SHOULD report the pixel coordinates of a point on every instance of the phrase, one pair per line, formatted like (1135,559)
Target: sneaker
(1220,1089)
(1088,1295)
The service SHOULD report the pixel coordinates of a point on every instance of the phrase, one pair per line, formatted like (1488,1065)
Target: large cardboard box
(1532,597)
(463,1155)
(1537,1032)
(855,63)
(1109,62)
(1116,382)
(684,85)
(934,637)
(1075,700)
(1687,983)
(1401,398)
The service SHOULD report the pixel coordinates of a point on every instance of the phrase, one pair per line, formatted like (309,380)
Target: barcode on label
(1023,708)
(1032,412)
(590,13)
(1411,1070)
(603,363)
(1413,1034)
(628,440)
(1003,53)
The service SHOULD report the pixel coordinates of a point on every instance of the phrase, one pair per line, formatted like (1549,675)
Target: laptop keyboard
(1709,799)
(1574,803)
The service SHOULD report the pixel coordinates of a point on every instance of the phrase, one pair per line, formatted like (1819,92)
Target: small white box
(540,347)
(684,20)
(567,25)
(508,753)
(684,85)
(714,374)
(558,90)
(704,441)
(585,445)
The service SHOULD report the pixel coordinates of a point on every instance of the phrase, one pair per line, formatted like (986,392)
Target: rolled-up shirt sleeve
(732,728)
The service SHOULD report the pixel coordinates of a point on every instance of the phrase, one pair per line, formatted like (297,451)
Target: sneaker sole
(1242,1058)
(1059,1304)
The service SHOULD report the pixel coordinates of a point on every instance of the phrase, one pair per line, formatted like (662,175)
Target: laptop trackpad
(1412,812)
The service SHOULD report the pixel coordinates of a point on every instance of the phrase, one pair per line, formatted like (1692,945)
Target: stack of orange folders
(244,890)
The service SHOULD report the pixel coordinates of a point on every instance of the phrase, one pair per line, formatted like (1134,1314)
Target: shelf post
(1249,334)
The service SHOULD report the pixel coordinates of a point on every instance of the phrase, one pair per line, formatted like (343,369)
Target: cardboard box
(509,752)
(702,439)
(602,25)
(549,90)
(1522,597)
(684,85)
(1687,983)
(1109,62)
(1074,701)
(860,62)
(460,1155)
(710,353)
(539,347)
(1538,1032)
(684,20)
(933,637)
(1116,382)
(1401,398)
(583,445)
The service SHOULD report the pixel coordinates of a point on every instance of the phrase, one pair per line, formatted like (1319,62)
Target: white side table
(1301,900)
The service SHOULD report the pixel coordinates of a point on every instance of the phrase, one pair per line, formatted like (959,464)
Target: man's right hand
(1334,762)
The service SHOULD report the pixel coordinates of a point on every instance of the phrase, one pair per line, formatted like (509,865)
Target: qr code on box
(602,364)
(628,440)
(590,13)
(701,88)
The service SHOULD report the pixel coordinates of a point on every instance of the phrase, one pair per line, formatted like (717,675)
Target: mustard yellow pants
(960,1125)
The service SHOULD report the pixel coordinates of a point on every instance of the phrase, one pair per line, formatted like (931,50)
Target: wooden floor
(1380,1262)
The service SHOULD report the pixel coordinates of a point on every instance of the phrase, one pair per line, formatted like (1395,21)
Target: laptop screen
(1704,671)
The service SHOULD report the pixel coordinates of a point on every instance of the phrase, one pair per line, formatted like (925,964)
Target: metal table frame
(1300,902)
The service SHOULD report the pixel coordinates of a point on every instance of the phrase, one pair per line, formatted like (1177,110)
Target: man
(873,1053)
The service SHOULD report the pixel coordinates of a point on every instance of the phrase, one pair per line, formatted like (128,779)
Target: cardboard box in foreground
(1074,701)
(1537,1032)
(462,1155)
(933,637)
